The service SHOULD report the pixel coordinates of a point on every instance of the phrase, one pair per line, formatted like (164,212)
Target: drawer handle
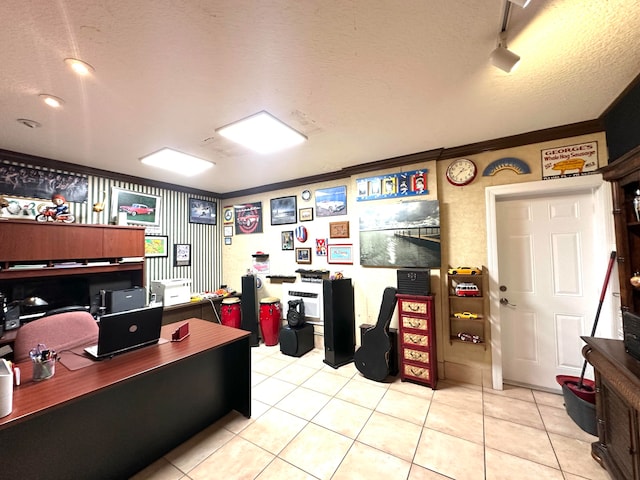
(413,308)
(415,355)
(417,371)
(414,323)
(415,338)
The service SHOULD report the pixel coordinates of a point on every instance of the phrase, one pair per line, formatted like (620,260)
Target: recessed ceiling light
(51,100)
(28,123)
(177,162)
(262,133)
(78,66)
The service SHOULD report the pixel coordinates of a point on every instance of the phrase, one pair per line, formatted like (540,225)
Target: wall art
(182,255)
(339,229)
(248,218)
(42,183)
(141,208)
(393,185)
(303,255)
(156,245)
(287,240)
(202,211)
(405,234)
(283,210)
(331,201)
(340,253)
(306,214)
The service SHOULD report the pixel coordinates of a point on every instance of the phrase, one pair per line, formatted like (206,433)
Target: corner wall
(463,240)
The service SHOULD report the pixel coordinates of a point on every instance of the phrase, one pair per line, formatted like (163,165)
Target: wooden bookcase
(624,175)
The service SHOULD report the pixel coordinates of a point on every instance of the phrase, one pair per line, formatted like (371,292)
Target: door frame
(601,192)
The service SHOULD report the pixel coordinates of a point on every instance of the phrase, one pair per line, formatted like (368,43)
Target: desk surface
(33,397)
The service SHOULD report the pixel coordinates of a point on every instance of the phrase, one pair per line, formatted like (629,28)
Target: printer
(171,291)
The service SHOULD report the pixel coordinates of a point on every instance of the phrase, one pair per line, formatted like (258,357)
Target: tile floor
(310,421)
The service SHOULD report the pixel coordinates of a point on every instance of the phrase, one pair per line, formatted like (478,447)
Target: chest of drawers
(417,340)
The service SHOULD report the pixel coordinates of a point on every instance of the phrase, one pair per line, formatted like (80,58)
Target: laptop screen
(123,331)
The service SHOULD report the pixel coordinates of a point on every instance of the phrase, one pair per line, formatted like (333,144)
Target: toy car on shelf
(468,337)
(465,315)
(465,271)
(467,289)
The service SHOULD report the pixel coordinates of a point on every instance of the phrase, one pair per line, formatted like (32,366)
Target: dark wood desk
(617,376)
(113,418)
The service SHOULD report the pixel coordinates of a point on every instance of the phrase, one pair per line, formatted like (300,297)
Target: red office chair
(59,332)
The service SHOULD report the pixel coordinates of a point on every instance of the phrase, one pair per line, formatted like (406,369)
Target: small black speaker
(414,281)
(249,308)
(296,342)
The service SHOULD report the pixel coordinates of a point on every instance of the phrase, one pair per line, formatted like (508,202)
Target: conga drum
(230,312)
(270,320)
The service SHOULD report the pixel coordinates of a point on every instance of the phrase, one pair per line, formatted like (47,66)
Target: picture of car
(136,209)
(465,271)
(466,289)
(465,315)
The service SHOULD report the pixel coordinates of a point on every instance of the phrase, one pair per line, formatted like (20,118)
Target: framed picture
(303,255)
(287,240)
(283,210)
(182,255)
(156,245)
(141,208)
(228,230)
(340,254)
(306,214)
(339,229)
(202,211)
(331,201)
(227,240)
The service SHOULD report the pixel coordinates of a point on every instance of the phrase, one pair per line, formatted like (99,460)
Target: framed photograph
(141,208)
(287,240)
(303,255)
(340,254)
(227,240)
(182,255)
(331,201)
(228,230)
(339,229)
(156,245)
(306,214)
(283,210)
(202,211)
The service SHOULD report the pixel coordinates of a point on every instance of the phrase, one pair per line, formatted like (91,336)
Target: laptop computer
(120,332)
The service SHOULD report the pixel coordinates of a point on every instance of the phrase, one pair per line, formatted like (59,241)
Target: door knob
(505,301)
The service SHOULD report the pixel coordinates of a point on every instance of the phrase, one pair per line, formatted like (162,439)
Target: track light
(521,3)
(502,57)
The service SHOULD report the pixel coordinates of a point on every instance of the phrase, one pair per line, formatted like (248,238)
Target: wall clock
(461,172)
(306,195)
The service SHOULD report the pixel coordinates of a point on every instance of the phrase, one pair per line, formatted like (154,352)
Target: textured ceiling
(365,80)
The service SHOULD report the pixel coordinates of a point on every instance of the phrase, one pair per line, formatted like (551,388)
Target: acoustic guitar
(372,358)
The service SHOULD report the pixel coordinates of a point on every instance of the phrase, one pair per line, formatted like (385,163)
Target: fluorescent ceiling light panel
(177,162)
(262,133)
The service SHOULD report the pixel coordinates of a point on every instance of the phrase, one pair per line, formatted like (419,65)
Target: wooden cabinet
(62,262)
(617,376)
(624,175)
(467,319)
(417,339)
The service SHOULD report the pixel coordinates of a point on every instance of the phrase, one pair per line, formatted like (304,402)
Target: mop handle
(595,322)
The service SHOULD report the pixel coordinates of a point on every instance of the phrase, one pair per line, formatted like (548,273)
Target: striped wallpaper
(205,271)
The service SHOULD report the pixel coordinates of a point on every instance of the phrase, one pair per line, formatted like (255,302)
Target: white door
(549,289)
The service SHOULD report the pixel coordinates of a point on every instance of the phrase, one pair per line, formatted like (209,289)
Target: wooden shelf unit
(457,304)
(624,175)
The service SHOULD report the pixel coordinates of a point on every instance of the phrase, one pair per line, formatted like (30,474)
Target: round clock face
(461,172)
(306,195)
